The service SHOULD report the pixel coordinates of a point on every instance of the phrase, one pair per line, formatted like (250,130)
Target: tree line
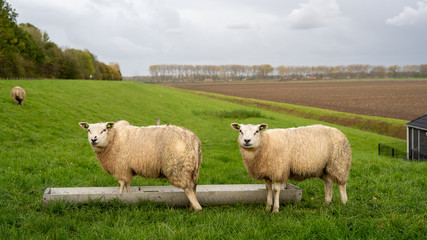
(189,73)
(27,52)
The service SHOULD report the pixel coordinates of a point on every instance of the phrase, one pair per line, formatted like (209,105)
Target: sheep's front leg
(269,187)
(121,185)
(277,187)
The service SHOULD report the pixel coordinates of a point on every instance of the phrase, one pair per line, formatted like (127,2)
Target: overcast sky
(140,33)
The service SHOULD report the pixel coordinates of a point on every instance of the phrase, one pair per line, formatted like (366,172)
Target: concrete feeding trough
(172,196)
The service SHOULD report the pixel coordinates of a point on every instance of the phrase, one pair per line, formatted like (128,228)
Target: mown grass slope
(42,145)
(385,126)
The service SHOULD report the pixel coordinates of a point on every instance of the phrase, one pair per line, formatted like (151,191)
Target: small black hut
(417,139)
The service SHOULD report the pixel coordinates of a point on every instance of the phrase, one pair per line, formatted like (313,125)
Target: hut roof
(420,123)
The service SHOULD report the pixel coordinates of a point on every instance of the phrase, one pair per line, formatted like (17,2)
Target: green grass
(42,145)
(236,114)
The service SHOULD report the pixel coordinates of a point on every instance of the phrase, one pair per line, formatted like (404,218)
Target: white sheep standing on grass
(18,95)
(165,151)
(277,155)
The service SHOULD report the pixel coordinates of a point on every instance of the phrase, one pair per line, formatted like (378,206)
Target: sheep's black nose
(247,140)
(93,140)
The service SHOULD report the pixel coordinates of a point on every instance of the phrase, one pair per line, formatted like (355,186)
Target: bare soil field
(406,99)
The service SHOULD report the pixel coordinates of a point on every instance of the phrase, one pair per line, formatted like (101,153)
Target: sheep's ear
(235,126)
(263,127)
(84,125)
(110,125)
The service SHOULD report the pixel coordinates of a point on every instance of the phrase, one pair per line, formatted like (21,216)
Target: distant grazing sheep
(165,151)
(277,155)
(18,95)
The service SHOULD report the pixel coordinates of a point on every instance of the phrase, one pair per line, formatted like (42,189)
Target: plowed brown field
(405,100)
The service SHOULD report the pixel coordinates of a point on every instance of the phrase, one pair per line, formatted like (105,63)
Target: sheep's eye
(257,131)
(103,131)
(89,131)
(241,131)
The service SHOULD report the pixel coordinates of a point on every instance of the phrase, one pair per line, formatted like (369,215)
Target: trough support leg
(269,187)
(343,193)
(328,190)
(277,187)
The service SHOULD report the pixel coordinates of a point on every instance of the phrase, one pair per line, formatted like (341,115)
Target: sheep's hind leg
(277,187)
(343,193)
(328,190)
(268,186)
(191,195)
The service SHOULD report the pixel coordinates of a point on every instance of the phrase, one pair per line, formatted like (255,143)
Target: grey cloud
(140,33)
(314,14)
(239,26)
(410,16)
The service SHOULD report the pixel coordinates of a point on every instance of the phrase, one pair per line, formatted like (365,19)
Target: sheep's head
(249,136)
(98,133)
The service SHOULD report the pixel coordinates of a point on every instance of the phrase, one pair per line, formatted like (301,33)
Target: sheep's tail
(199,162)
(341,160)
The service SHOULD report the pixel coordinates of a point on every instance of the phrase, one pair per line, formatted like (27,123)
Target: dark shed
(417,138)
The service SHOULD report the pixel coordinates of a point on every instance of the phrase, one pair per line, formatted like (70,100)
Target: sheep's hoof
(275,210)
(196,210)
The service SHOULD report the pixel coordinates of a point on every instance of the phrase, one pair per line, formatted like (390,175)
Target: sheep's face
(250,135)
(97,133)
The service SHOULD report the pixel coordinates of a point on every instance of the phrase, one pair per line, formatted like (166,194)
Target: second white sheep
(297,153)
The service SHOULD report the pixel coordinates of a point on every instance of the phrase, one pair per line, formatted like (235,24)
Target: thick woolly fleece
(278,155)
(18,95)
(165,151)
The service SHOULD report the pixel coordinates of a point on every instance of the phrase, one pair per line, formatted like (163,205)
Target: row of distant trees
(188,73)
(27,52)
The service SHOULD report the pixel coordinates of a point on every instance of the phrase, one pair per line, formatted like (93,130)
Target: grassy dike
(385,126)
(42,145)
